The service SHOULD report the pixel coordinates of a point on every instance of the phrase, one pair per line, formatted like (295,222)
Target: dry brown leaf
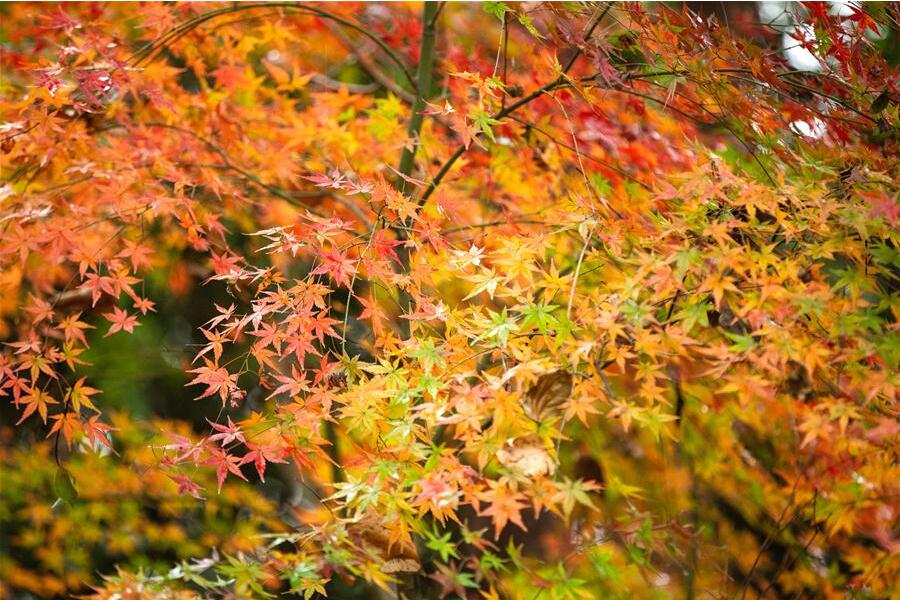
(528,455)
(373,533)
(548,394)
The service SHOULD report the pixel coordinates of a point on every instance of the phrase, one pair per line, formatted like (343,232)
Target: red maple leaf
(97,432)
(225,463)
(121,321)
(186,486)
(259,456)
(227,433)
(230,76)
(336,180)
(338,265)
(216,379)
(883,205)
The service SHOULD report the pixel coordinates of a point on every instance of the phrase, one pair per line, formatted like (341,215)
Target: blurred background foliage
(65,524)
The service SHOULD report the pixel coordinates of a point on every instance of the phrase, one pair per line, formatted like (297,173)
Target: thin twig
(153,48)
(560,81)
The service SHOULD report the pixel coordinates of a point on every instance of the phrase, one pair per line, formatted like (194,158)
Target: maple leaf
(66,423)
(41,309)
(581,406)
(405,208)
(269,335)
(215,345)
(186,485)
(121,281)
(486,281)
(718,284)
(373,313)
(216,379)
(98,285)
(73,329)
(80,395)
(293,385)
(59,20)
(360,187)
(96,85)
(473,256)
(157,98)
(97,432)
(862,19)
(184,445)
(121,321)
(383,245)
(321,326)
(40,363)
(231,76)
(224,315)
(434,109)
(36,400)
(227,433)
(32,344)
(224,463)
(69,354)
(224,263)
(427,310)
(506,506)
(572,492)
(336,180)
(884,206)
(144,305)
(339,266)
(727,275)
(259,456)
(300,344)
(138,254)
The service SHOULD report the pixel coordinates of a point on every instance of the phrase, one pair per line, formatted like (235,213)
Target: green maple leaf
(498,9)
(442,545)
(573,492)
(539,315)
(692,314)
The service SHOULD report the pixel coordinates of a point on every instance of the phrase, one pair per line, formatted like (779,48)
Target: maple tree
(574,300)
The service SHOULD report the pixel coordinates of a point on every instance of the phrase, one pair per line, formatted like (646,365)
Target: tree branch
(560,81)
(150,50)
(371,67)
(423,88)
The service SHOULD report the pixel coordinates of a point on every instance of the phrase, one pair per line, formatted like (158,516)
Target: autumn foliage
(487,300)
